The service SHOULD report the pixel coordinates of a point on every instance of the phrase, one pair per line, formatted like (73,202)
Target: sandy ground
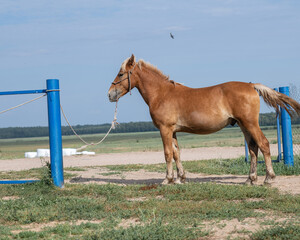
(130,158)
(98,175)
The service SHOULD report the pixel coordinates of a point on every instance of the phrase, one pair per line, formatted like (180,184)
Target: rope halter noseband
(128,77)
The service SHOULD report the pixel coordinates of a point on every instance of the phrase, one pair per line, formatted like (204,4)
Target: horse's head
(123,82)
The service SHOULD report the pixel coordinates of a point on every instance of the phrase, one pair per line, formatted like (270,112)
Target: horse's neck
(151,86)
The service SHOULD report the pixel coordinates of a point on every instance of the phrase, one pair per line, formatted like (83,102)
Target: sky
(83,43)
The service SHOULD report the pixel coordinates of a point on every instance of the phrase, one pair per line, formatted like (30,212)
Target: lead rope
(113,126)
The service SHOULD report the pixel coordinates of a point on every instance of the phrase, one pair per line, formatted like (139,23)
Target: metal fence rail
(54,123)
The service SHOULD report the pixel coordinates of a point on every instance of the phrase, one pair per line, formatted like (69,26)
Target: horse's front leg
(176,154)
(166,135)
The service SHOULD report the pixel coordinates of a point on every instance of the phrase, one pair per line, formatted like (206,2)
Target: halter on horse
(128,77)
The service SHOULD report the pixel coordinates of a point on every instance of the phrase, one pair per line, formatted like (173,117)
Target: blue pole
(246,152)
(278,138)
(278,134)
(55,140)
(287,139)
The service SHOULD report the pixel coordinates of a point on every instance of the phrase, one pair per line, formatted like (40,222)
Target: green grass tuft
(290,232)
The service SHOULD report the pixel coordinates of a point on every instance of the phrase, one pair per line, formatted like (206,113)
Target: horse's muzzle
(113,96)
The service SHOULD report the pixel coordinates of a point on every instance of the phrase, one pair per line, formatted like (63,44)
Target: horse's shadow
(232,180)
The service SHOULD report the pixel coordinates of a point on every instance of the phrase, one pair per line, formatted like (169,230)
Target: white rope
(113,126)
(22,104)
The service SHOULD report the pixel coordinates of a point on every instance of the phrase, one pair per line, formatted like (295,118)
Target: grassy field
(110,211)
(138,211)
(129,142)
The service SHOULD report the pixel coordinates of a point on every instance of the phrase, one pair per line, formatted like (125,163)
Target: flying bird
(171,35)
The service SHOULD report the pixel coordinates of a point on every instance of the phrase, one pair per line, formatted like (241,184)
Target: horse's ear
(131,60)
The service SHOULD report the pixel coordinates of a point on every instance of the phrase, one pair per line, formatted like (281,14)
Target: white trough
(43,152)
(30,154)
(46,153)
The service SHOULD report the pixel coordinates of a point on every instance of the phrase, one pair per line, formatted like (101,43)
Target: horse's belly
(202,124)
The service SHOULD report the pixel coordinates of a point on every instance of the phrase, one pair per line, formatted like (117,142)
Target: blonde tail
(276,99)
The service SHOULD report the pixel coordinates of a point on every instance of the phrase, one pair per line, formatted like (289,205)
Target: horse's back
(227,95)
(205,110)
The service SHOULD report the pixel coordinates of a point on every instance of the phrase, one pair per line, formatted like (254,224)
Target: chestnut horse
(177,108)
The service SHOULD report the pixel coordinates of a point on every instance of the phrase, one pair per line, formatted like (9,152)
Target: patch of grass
(290,232)
(75,169)
(238,166)
(34,173)
(284,203)
(61,231)
(68,175)
(46,175)
(5,231)
(154,230)
(137,167)
(218,166)
(213,191)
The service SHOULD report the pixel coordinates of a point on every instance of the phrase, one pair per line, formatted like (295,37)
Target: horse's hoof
(178,181)
(269,180)
(167,181)
(248,182)
(251,182)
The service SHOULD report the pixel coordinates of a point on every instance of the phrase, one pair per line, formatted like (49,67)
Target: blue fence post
(246,152)
(278,133)
(55,140)
(279,157)
(287,139)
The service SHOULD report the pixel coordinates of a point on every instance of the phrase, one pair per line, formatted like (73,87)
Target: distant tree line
(265,119)
(270,119)
(21,132)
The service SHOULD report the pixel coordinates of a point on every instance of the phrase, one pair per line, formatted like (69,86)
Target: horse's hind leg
(166,135)
(176,154)
(253,150)
(263,144)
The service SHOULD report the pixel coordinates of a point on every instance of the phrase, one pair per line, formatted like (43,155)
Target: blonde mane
(141,63)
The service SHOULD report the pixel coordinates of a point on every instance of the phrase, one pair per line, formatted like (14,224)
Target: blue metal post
(278,134)
(246,152)
(55,140)
(287,139)
(279,157)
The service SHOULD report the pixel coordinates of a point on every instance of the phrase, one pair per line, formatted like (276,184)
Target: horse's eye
(121,74)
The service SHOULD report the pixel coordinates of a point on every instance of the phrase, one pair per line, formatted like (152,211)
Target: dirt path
(130,158)
(98,175)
